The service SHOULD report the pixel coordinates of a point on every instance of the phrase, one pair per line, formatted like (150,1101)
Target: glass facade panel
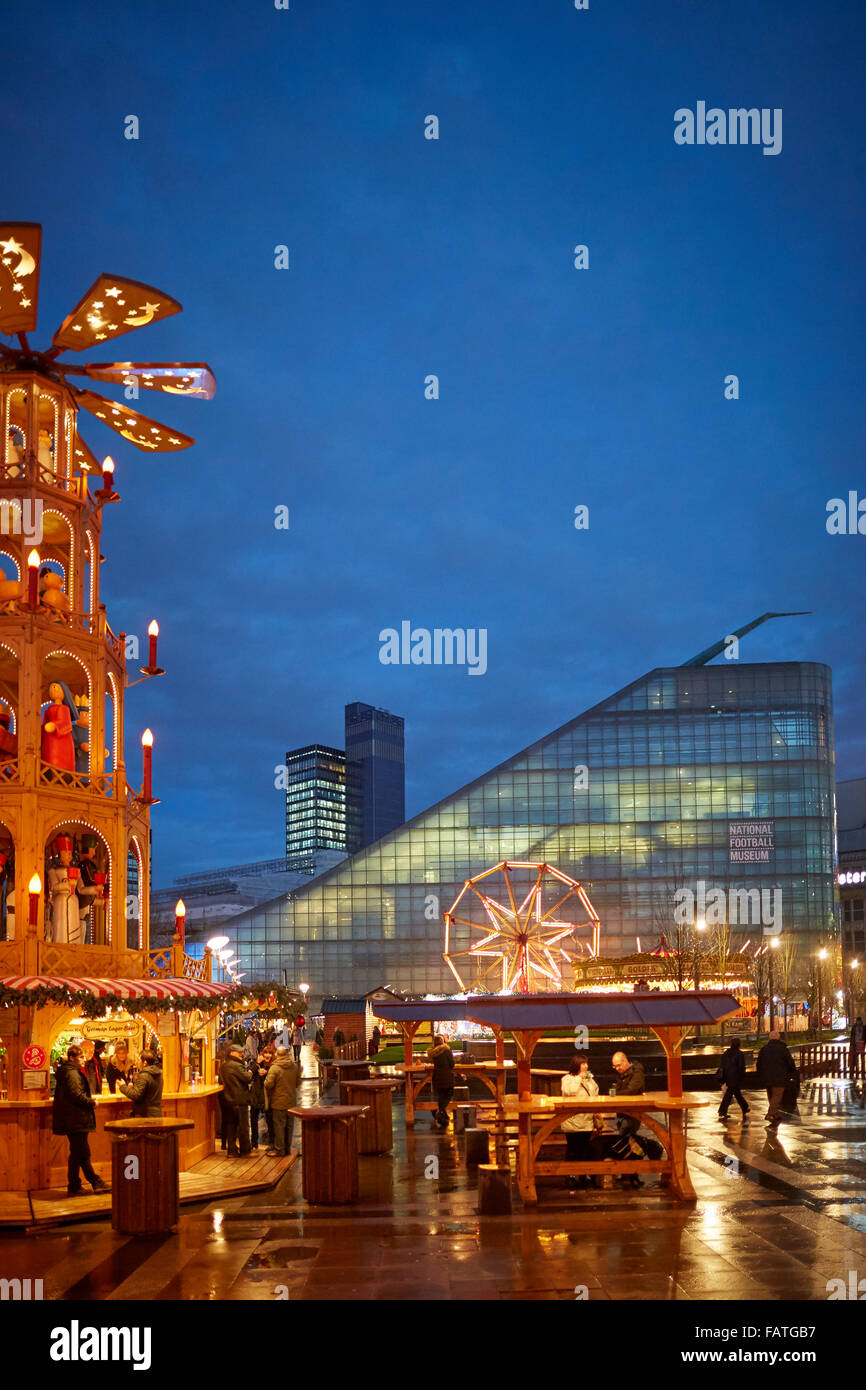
(673,761)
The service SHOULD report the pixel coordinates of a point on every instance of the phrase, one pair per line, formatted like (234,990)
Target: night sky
(558,387)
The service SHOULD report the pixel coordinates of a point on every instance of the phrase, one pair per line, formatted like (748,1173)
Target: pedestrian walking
(857,1059)
(442,1081)
(299,1037)
(732,1071)
(145,1091)
(580,1084)
(775,1069)
(281,1089)
(74,1114)
(236,1085)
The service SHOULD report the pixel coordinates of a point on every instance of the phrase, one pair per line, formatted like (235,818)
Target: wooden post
(671,1039)
(409,1029)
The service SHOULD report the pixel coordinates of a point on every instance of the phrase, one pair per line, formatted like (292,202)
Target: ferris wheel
(519,944)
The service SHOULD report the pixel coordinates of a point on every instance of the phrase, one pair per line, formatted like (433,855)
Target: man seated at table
(630,1082)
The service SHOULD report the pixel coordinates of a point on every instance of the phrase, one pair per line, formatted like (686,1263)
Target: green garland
(90,1007)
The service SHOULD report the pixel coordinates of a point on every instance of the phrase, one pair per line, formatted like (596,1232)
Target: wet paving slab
(778,1215)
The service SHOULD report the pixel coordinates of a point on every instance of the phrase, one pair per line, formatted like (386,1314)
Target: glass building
(376,772)
(657,786)
(319,815)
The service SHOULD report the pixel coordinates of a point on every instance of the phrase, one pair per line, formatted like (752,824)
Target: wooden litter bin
(374,1125)
(329,1152)
(145,1175)
(494,1189)
(477,1146)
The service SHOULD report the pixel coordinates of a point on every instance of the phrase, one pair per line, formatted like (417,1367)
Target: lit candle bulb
(34,888)
(180,918)
(147,755)
(33,579)
(108,473)
(153,633)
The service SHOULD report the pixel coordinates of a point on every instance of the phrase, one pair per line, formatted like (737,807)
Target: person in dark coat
(74,1114)
(733,1069)
(145,1092)
(92,1066)
(236,1086)
(775,1068)
(858,1049)
(442,1081)
(630,1081)
(258,1072)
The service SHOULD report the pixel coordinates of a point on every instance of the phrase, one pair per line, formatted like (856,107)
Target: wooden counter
(31,1157)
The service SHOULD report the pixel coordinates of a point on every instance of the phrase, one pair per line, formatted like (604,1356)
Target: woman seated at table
(580,1130)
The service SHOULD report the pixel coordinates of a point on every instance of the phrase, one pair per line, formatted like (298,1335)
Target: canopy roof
(671,1008)
(123,989)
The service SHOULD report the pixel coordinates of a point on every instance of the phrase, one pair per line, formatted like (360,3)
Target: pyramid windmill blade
(20,249)
(176,378)
(144,433)
(82,457)
(112,306)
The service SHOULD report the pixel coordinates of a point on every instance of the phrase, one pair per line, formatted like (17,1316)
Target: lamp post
(774,946)
(822,956)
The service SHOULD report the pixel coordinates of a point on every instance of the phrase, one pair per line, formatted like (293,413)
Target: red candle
(108,473)
(33,579)
(180,918)
(147,753)
(153,633)
(34,889)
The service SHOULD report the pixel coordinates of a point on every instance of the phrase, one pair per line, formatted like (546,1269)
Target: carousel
(75,960)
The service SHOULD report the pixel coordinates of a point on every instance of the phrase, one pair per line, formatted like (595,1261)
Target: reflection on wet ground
(778,1215)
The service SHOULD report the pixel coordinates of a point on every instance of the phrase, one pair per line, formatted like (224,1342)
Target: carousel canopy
(122,989)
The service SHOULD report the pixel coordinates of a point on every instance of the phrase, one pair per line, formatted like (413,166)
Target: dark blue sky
(558,387)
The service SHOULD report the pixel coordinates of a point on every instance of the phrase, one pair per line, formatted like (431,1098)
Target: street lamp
(822,956)
(774,943)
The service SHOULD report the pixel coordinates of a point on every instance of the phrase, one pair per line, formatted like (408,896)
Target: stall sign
(108,1029)
(167,1026)
(35,1080)
(34,1057)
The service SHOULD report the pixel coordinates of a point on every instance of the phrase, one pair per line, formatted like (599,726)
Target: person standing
(775,1068)
(145,1092)
(257,1098)
(119,1067)
(377,1038)
(580,1084)
(236,1087)
(858,1049)
(92,1066)
(74,1114)
(733,1070)
(281,1088)
(631,1082)
(299,1037)
(251,1046)
(442,1080)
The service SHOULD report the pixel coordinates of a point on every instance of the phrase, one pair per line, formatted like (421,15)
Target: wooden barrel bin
(145,1179)
(329,1153)
(375,1134)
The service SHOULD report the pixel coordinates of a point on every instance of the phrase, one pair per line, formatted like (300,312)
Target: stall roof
(163,988)
(671,1008)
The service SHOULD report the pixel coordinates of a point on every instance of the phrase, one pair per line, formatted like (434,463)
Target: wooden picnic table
(536,1119)
(417,1074)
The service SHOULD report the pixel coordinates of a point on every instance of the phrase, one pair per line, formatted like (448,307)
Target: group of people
(260,1082)
(776,1072)
(78,1080)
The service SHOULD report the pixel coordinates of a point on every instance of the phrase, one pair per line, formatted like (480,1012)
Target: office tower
(376,772)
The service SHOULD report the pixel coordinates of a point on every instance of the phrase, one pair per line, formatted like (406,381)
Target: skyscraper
(376,772)
(318,813)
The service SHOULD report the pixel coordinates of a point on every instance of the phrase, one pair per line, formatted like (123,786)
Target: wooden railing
(100,784)
(159,963)
(349,1052)
(822,1059)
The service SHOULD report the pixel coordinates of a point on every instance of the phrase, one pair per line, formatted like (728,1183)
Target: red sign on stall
(34,1057)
